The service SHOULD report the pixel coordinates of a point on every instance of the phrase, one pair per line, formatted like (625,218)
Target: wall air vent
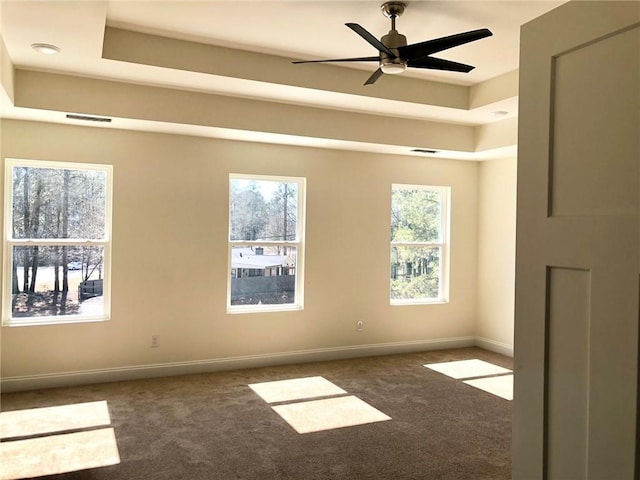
(424,150)
(88,118)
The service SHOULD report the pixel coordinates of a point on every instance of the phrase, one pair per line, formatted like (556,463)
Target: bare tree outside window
(57,251)
(265,240)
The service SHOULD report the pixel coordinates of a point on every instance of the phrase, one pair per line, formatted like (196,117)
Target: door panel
(568,331)
(580,135)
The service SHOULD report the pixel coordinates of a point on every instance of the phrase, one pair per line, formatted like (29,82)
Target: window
(266,243)
(419,244)
(57,231)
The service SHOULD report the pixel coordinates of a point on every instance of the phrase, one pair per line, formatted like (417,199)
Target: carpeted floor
(215,427)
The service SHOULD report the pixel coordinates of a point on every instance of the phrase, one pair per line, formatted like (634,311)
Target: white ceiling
(289,29)
(316,30)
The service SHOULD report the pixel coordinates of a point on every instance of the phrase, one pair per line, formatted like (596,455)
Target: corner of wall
(6,71)
(496,254)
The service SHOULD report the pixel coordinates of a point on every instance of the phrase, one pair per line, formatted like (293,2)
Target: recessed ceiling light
(45,48)
(500,113)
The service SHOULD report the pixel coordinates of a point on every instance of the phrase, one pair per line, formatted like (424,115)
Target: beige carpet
(215,427)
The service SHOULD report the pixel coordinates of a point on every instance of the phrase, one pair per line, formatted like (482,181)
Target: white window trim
(299,244)
(9,243)
(443,244)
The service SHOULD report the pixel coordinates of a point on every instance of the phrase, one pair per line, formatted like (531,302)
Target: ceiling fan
(395,55)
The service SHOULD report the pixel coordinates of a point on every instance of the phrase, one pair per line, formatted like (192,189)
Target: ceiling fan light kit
(393,40)
(394,55)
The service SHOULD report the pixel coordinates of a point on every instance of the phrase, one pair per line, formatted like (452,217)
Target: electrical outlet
(359,326)
(155,340)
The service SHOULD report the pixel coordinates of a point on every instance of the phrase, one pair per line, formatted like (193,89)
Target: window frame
(443,245)
(298,244)
(8,242)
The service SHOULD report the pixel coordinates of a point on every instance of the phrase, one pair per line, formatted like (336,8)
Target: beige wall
(6,71)
(496,254)
(169,252)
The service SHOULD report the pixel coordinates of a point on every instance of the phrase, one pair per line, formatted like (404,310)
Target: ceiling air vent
(424,150)
(88,118)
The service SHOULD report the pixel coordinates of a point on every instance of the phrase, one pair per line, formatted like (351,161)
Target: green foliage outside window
(416,243)
(415,215)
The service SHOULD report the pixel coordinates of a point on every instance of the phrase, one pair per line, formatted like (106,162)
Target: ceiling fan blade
(440,64)
(358,59)
(370,38)
(422,49)
(375,76)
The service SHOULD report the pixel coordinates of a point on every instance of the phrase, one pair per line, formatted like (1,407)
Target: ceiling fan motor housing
(393,40)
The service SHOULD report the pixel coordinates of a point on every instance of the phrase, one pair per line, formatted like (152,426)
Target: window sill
(263,309)
(37,322)
(435,301)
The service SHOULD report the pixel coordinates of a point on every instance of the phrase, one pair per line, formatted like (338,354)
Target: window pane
(415,215)
(263,275)
(263,210)
(41,287)
(58,203)
(415,273)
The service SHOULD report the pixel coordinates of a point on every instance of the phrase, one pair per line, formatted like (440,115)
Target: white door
(578,244)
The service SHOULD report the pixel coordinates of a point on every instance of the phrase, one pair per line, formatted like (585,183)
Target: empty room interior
(219,263)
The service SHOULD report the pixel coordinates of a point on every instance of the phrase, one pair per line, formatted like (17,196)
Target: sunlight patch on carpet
(501,386)
(467,368)
(56,454)
(296,389)
(38,421)
(328,414)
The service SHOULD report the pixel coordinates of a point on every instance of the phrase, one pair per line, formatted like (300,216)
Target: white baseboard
(492,345)
(86,377)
